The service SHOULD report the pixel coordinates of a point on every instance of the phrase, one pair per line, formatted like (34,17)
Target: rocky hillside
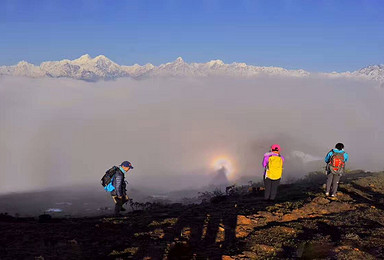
(302,223)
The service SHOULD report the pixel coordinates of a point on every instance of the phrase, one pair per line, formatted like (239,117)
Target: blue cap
(126,164)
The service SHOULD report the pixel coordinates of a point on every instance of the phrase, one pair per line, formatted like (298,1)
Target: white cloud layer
(57,132)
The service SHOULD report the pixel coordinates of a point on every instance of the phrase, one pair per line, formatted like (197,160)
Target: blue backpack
(107,179)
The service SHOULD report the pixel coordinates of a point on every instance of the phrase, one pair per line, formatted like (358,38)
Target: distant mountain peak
(101,67)
(24,63)
(101,57)
(83,59)
(375,72)
(179,59)
(215,62)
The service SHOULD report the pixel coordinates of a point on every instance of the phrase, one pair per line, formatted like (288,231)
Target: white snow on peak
(101,57)
(102,68)
(22,68)
(23,63)
(215,63)
(372,72)
(83,59)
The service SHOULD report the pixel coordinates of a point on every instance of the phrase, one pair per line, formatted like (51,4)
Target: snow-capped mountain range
(102,68)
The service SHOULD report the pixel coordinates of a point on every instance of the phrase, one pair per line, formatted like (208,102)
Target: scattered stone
(186,233)
(6,217)
(320,200)
(220,236)
(262,249)
(245,225)
(159,233)
(130,251)
(250,254)
(243,220)
(167,221)
(289,217)
(45,218)
(352,236)
(73,242)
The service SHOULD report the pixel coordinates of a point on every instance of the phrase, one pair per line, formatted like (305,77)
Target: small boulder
(45,218)
(320,200)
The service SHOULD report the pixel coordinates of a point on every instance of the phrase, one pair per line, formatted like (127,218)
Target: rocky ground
(302,223)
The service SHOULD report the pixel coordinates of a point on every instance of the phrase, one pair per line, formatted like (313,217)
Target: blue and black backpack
(107,179)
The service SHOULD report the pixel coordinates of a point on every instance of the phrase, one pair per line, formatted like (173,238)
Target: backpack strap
(330,157)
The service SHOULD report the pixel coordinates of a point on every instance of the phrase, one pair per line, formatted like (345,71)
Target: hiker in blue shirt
(335,159)
(119,194)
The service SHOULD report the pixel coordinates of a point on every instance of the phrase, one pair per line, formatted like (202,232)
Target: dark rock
(5,217)
(45,218)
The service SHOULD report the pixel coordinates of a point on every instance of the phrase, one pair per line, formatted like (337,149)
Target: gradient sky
(312,35)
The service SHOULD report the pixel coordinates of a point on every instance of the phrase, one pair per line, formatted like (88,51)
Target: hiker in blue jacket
(119,194)
(335,159)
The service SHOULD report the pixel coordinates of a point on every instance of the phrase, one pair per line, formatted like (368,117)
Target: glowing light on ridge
(224,162)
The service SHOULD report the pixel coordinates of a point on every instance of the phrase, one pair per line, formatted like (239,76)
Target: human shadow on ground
(208,231)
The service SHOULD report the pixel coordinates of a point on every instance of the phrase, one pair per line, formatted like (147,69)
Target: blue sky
(312,35)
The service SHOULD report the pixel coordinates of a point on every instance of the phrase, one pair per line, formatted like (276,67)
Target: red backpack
(337,163)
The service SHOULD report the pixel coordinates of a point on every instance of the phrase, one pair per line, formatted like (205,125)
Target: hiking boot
(333,195)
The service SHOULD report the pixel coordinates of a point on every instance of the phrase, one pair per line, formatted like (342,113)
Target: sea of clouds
(64,132)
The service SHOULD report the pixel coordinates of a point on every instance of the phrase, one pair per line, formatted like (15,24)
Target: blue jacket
(329,155)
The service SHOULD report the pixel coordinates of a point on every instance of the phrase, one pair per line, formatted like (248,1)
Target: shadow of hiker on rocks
(208,230)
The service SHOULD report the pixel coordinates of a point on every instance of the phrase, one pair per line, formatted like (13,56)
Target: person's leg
(274,186)
(125,199)
(118,205)
(335,183)
(329,183)
(267,185)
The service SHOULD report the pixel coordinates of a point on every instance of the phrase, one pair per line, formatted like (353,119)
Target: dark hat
(339,146)
(126,164)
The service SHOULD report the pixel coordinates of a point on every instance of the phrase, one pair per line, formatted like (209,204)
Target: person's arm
(265,160)
(328,157)
(118,183)
(346,157)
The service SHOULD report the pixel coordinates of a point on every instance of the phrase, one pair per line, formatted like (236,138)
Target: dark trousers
(332,183)
(119,203)
(270,188)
